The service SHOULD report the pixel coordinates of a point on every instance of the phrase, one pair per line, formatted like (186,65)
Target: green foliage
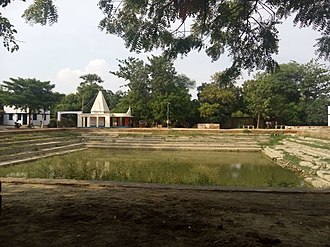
(246,29)
(41,12)
(165,167)
(154,88)
(218,99)
(256,97)
(294,94)
(246,131)
(276,139)
(29,94)
(294,160)
(87,91)
(52,123)
(113,99)
(90,79)
(69,102)
(7,32)
(273,182)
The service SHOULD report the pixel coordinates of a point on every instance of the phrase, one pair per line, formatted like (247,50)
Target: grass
(273,182)
(294,160)
(119,169)
(190,168)
(246,131)
(274,139)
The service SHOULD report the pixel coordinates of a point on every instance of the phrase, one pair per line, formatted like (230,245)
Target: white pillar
(328,115)
(88,122)
(80,121)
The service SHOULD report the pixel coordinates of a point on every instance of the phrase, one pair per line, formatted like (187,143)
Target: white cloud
(97,66)
(67,80)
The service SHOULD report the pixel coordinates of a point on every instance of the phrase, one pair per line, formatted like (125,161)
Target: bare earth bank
(57,215)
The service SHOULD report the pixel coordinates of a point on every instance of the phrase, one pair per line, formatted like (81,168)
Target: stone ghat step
(157,140)
(36,157)
(34,141)
(105,139)
(29,139)
(169,137)
(312,151)
(313,140)
(22,136)
(185,147)
(175,144)
(35,146)
(217,139)
(28,154)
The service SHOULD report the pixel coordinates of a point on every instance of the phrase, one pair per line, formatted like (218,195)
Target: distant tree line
(293,94)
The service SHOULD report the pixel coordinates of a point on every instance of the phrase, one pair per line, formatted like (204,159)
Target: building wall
(328,115)
(12,115)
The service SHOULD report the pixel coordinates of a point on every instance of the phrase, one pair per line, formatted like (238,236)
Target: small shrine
(100,116)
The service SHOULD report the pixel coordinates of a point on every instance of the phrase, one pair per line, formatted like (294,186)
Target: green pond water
(165,167)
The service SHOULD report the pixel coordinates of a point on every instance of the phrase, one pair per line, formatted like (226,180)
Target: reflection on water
(168,167)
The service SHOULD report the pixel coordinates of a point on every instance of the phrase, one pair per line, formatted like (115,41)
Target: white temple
(100,116)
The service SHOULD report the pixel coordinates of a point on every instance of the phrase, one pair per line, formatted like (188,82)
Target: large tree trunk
(29,120)
(42,119)
(258,120)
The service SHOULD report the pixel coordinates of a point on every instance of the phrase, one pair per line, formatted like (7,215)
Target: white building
(328,115)
(100,116)
(11,115)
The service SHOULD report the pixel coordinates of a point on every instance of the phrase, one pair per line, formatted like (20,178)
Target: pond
(164,167)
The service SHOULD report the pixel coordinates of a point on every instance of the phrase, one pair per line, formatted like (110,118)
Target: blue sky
(75,46)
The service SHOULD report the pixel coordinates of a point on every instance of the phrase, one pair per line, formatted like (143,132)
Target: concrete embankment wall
(307,156)
(311,131)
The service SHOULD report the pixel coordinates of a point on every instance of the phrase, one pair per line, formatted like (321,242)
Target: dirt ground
(147,215)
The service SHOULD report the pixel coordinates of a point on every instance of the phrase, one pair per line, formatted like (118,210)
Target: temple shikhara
(100,116)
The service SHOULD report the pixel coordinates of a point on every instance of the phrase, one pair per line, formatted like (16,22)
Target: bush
(52,123)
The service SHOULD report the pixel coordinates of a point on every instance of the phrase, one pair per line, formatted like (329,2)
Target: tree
(313,83)
(135,72)
(168,89)
(295,94)
(71,102)
(112,98)
(29,94)
(284,93)
(218,99)
(155,87)
(257,95)
(88,89)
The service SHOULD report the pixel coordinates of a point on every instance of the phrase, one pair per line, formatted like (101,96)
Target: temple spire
(100,105)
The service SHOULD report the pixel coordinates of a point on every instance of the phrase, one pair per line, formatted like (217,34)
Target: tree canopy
(296,94)
(246,29)
(40,11)
(29,94)
(218,99)
(155,90)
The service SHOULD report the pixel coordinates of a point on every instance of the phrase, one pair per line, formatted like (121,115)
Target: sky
(75,46)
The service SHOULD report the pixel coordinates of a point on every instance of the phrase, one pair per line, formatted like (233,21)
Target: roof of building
(100,106)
